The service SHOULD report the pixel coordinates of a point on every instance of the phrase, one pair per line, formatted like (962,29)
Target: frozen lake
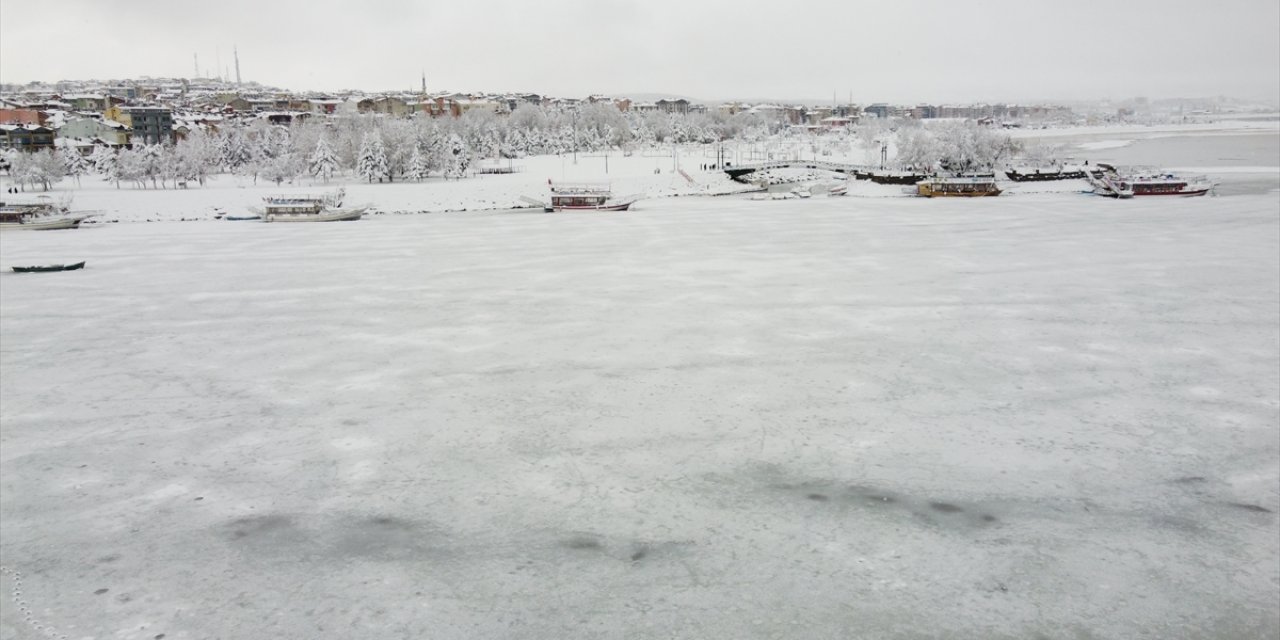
(1241,163)
(1041,416)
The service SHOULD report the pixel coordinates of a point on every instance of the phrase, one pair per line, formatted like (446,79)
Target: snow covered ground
(1045,416)
(236,194)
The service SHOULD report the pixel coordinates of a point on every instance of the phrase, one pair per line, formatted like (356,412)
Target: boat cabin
(573,196)
(19,213)
(293,207)
(1155,186)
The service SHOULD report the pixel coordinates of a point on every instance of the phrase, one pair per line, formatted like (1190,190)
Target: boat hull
(895,179)
(974,194)
(42,225)
(1132,194)
(602,207)
(324,216)
(1044,177)
(52,267)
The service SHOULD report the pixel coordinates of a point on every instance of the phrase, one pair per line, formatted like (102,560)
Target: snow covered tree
(130,167)
(42,168)
(283,167)
(105,163)
(457,158)
(967,146)
(195,157)
(917,147)
(323,162)
(236,152)
(73,164)
(373,158)
(151,162)
(398,142)
(417,170)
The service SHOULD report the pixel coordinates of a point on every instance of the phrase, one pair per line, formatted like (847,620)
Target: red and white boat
(584,196)
(1164,185)
(1113,184)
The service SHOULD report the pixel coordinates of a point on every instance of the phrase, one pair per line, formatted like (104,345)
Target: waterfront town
(114,114)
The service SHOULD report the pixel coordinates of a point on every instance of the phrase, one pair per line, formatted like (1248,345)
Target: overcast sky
(891,51)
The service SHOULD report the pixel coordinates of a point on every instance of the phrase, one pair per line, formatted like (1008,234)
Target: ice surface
(1048,415)
(1104,144)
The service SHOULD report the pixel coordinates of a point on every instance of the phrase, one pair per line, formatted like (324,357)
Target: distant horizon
(655,95)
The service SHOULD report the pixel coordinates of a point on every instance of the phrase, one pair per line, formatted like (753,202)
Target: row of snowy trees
(379,149)
(384,150)
(953,146)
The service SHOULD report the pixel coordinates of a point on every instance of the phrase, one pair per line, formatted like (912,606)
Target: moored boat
(585,197)
(307,208)
(1043,175)
(894,177)
(51,267)
(1166,185)
(959,187)
(39,216)
(1114,183)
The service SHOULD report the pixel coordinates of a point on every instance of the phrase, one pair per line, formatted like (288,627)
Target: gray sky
(879,51)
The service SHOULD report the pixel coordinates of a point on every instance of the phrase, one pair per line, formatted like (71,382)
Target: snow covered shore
(655,173)
(1048,416)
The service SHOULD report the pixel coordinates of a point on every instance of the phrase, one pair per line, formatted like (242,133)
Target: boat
(51,267)
(1115,183)
(38,216)
(585,197)
(958,187)
(895,177)
(307,208)
(1058,173)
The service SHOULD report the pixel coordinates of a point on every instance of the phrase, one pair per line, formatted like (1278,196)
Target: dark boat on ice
(51,267)
(895,177)
(1075,173)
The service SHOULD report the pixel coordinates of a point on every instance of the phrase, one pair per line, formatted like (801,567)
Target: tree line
(382,149)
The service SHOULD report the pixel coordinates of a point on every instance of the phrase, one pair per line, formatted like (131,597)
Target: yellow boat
(957,187)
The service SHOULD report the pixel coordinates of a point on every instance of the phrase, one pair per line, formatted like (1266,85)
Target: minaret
(237,55)
(196,57)
(424,82)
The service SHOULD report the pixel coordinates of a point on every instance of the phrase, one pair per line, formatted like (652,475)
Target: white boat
(584,197)
(307,208)
(39,216)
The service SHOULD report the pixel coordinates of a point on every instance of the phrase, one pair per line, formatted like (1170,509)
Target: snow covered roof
(33,128)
